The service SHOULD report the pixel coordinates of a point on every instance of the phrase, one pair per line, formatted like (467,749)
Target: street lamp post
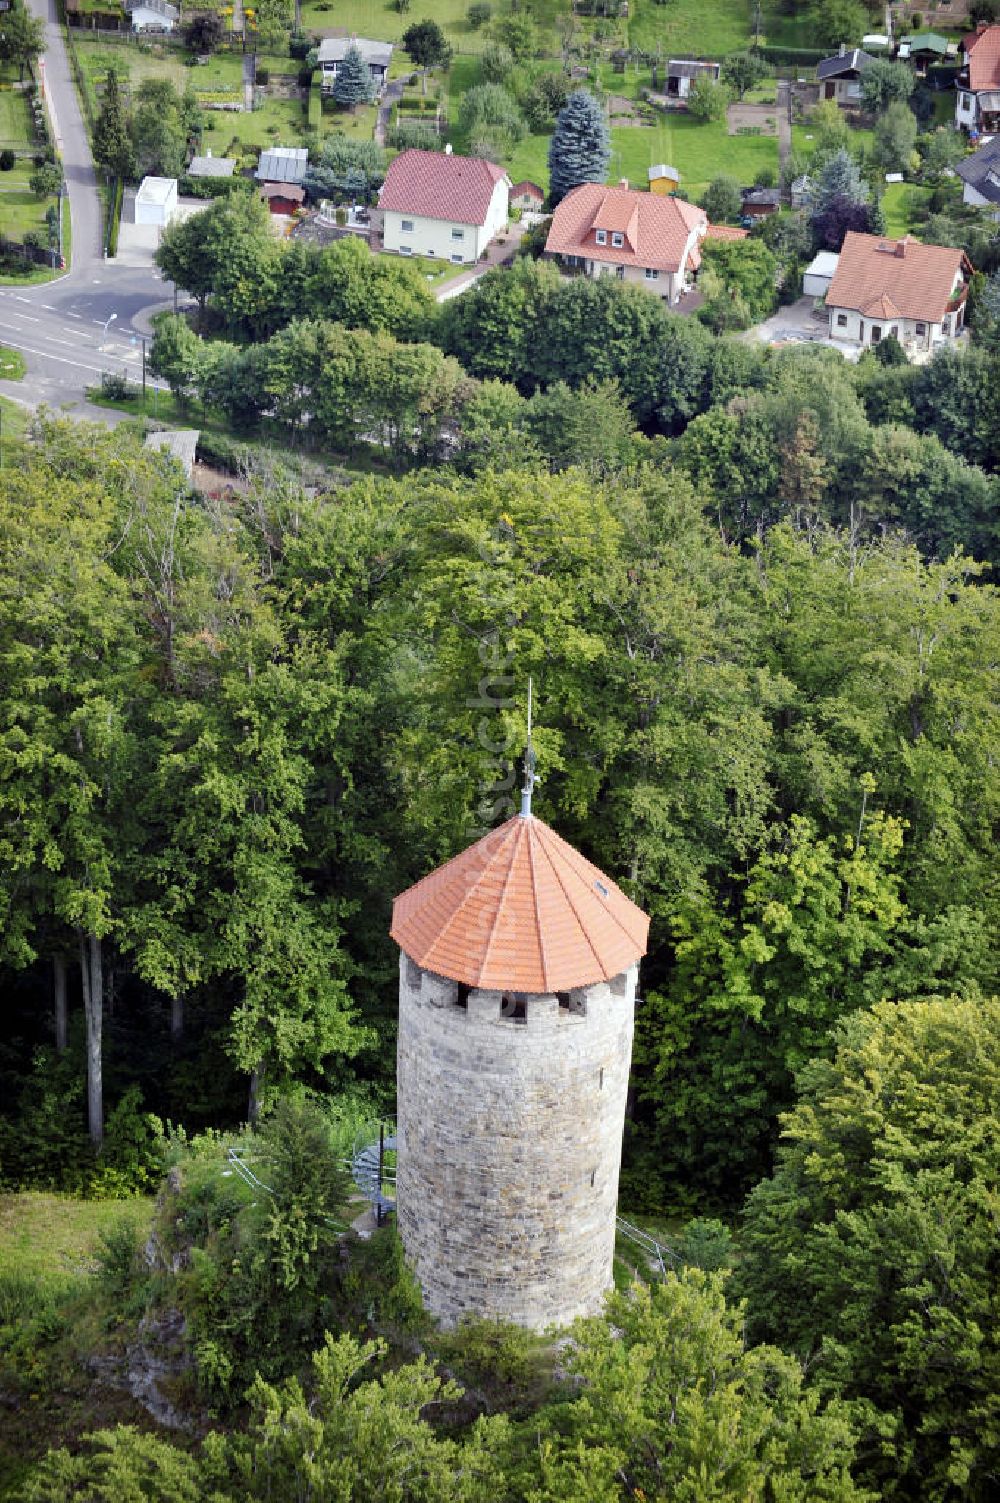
(108,322)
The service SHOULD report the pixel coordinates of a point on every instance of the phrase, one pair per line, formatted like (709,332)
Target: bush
(7,160)
(706,1243)
(118,1268)
(115,388)
(479,14)
(223,453)
(263,75)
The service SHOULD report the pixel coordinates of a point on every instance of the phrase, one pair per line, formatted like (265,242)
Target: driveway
(797,324)
(496,255)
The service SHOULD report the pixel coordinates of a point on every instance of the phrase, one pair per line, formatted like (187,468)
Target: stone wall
(509,1137)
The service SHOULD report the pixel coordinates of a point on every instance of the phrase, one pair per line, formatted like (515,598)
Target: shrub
(479,14)
(263,75)
(115,388)
(706,1243)
(7,160)
(118,1269)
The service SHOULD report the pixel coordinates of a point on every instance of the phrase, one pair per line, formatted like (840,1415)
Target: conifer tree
(580,148)
(353,83)
(112,142)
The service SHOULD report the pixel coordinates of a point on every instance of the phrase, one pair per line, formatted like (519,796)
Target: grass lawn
(12,366)
(804,142)
(20,210)
(699,152)
(381,20)
(14,418)
(15,120)
(790,31)
(52,1238)
(901,204)
(690,28)
(222,75)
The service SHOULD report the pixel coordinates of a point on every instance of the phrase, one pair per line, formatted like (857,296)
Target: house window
(458,259)
(406,250)
(841,320)
(652,274)
(921,328)
(458,234)
(406,226)
(617,240)
(620,273)
(601,236)
(876,333)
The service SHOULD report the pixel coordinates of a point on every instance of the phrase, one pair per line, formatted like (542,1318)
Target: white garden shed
(819,274)
(156,201)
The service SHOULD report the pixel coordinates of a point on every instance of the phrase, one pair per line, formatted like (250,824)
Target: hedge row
(115,215)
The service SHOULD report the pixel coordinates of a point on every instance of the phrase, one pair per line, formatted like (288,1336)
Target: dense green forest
(233,729)
(753,592)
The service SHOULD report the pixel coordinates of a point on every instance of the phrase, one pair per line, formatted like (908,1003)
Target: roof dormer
(616,223)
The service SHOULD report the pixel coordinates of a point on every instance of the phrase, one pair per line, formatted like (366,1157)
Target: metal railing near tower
(373,1165)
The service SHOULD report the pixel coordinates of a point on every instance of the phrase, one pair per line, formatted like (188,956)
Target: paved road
(64,328)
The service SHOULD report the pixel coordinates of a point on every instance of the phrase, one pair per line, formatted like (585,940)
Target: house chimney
(208,153)
(843,49)
(623,182)
(901,248)
(448,149)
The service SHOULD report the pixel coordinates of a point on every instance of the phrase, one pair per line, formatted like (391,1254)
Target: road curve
(78,325)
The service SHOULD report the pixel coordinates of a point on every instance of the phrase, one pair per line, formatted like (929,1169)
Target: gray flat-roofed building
(209,166)
(283,164)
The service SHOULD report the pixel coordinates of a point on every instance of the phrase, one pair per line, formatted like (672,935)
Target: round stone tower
(517,978)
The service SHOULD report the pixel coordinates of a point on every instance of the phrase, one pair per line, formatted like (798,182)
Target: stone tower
(517,978)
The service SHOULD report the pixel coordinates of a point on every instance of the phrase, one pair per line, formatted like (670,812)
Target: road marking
(49,308)
(74,315)
(27,318)
(22,299)
(47,355)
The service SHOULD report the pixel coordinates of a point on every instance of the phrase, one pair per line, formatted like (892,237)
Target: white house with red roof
(444,206)
(977,88)
(650,238)
(885,287)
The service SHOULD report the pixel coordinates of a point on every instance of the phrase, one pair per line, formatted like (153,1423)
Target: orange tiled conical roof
(521,911)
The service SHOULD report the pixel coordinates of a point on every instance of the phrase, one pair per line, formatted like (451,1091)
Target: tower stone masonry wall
(509,1146)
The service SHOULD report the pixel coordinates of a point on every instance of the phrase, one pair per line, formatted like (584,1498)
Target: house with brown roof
(650,238)
(441,205)
(977,87)
(885,287)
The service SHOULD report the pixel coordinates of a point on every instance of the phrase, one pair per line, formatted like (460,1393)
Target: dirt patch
(752,119)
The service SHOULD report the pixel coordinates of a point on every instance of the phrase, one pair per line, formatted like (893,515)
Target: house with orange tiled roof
(441,205)
(650,238)
(884,287)
(977,96)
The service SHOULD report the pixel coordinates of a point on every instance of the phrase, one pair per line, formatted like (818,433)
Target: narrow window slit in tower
(514,1007)
(600,1080)
(593,1176)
